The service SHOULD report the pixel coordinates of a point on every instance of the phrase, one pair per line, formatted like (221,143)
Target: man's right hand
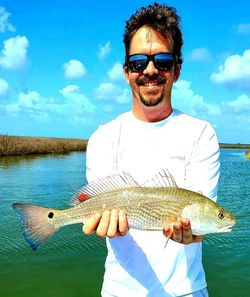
(110,223)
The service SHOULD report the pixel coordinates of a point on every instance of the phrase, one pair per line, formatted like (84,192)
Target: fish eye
(221,215)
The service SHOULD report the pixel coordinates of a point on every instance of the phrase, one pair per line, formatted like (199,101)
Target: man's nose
(150,69)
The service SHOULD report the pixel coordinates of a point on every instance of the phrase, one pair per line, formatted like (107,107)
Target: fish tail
(37,223)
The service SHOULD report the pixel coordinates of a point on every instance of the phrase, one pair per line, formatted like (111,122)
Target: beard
(151,97)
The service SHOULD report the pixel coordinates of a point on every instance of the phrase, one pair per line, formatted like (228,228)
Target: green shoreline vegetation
(248,154)
(236,146)
(27,145)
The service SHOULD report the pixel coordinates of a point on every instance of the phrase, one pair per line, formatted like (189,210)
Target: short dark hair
(161,18)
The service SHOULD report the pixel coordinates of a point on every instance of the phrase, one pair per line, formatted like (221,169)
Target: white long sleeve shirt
(138,264)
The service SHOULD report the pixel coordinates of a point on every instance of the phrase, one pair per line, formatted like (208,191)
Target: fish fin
(83,197)
(106,184)
(169,222)
(171,231)
(162,179)
(36,223)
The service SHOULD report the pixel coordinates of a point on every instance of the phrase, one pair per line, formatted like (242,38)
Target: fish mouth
(225,229)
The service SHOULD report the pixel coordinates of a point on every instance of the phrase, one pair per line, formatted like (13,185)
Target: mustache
(154,78)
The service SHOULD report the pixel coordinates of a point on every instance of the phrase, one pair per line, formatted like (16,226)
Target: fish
(152,206)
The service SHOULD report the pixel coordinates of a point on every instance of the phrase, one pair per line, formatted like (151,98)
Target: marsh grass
(20,145)
(235,146)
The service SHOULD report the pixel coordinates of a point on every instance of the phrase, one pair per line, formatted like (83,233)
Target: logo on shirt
(178,158)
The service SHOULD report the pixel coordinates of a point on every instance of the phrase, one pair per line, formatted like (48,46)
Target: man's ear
(177,71)
(126,73)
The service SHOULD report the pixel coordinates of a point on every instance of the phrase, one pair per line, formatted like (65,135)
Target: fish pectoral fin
(170,220)
(169,235)
(169,223)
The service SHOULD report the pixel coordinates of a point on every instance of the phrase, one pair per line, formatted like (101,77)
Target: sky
(61,65)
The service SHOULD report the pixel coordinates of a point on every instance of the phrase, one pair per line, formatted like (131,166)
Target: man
(152,137)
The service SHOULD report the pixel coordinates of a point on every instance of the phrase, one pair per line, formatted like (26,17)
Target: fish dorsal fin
(106,184)
(162,179)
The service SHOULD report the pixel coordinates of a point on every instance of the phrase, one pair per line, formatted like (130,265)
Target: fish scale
(146,208)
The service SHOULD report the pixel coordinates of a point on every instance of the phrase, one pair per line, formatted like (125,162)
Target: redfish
(156,204)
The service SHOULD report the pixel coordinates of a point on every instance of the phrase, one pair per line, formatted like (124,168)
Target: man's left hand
(181,232)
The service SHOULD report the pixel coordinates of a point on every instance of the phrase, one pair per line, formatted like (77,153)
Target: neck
(152,113)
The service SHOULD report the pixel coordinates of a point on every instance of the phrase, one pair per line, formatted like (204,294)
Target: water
(226,256)
(71,264)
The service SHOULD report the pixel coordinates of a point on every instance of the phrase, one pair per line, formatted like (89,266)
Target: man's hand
(111,224)
(181,232)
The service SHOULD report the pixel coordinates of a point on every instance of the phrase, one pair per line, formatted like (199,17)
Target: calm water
(71,264)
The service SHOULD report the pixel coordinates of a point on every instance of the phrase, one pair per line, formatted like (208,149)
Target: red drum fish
(151,206)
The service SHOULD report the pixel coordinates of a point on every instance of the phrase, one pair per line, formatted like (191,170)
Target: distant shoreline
(29,145)
(236,145)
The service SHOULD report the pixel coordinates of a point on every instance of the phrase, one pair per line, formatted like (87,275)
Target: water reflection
(8,161)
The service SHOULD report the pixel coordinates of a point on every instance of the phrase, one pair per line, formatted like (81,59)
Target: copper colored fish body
(152,206)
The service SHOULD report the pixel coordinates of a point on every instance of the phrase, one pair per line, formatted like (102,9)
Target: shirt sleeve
(203,168)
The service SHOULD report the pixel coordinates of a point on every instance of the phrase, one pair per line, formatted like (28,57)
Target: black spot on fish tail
(50,215)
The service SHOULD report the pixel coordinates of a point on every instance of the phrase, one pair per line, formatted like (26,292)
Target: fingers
(123,224)
(103,226)
(91,224)
(198,238)
(182,232)
(187,235)
(177,232)
(111,224)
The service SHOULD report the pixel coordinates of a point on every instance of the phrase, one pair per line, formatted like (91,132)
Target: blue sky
(61,65)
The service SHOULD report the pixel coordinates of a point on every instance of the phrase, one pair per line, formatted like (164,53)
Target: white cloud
(239,105)
(186,99)
(73,105)
(235,70)
(105,91)
(200,54)
(66,91)
(108,108)
(30,100)
(243,28)
(111,92)
(14,54)
(104,50)
(74,69)
(5,25)
(236,118)
(225,115)
(116,72)
(4,87)
(31,103)
(77,101)
(124,97)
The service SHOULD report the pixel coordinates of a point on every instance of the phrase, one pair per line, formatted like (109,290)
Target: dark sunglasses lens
(163,61)
(138,63)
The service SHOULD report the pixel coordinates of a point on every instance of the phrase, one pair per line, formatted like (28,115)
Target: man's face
(152,87)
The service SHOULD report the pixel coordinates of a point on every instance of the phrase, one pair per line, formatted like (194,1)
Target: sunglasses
(139,62)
